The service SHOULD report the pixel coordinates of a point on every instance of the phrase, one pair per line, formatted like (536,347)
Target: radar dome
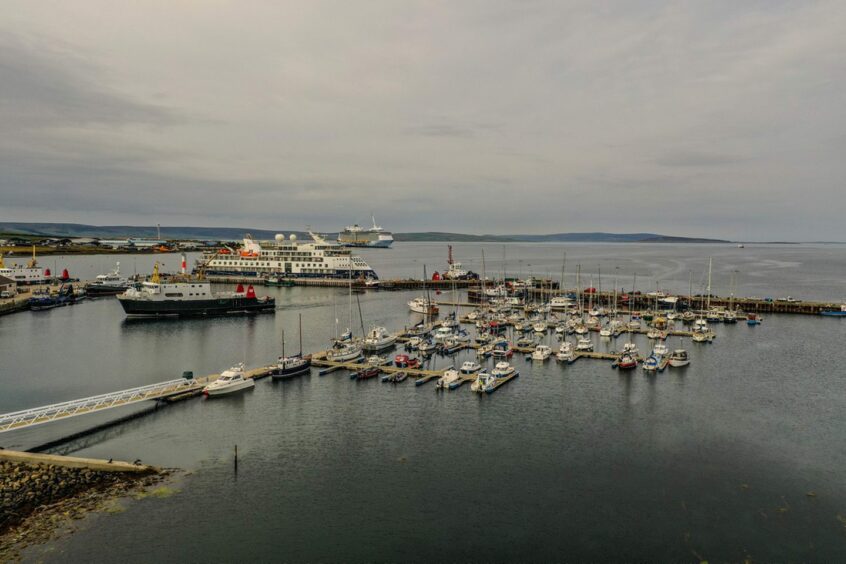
(279,237)
(293,237)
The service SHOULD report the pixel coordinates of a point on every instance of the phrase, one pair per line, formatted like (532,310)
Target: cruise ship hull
(368,244)
(193,308)
(246,272)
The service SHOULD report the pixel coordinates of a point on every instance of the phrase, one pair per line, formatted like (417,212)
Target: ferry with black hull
(193,298)
(287,258)
(374,237)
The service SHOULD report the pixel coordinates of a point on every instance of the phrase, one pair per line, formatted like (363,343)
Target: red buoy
(251,293)
(47,273)
(436,276)
(65,274)
(239,289)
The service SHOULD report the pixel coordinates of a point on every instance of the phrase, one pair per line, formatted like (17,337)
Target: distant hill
(235,233)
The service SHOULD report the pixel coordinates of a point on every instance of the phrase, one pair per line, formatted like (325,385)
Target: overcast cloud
(722,119)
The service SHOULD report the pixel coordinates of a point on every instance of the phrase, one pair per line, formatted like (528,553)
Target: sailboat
(290,366)
(345,348)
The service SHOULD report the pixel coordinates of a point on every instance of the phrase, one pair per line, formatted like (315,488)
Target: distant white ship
(357,236)
(29,274)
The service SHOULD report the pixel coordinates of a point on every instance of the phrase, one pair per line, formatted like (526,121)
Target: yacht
(288,258)
(442,333)
(110,284)
(378,339)
(423,305)
(357,236)
(541,353)
(630,348)
(230,381)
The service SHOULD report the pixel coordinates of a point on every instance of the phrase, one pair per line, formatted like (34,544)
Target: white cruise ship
(287,258)
(357,236)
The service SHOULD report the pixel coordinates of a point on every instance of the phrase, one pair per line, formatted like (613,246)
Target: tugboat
(192,298)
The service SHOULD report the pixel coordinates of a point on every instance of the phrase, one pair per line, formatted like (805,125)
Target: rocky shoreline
(39,500)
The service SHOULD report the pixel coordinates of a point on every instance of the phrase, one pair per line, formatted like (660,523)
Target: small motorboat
(450,376)
(630,348)
(526,342)
(541,353)
(605,332)
(482,381)
(828,312)
(229,381)
(679,358)
(565,353)
(427,347)
(443,333)
(540,327)
(752,319)
(502,350)
(401,360)
(378,339)
(376,360)
(584,345)
(395,377)
(344,351)
(660,350)
(413,343)
(366,373)
(470,367)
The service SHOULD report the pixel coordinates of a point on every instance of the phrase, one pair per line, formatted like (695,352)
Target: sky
(713,119)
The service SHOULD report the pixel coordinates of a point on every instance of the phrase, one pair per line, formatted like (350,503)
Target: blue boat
(834,312)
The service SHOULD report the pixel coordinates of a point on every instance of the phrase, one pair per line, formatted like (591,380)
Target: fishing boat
(651,363)
(541,353)
(230,381)
(679,358)
(289,366)
(470,367)
(502,349)
(752,319)
(42,301)
(626,361)
(378,339)
(449,376)
(630,348)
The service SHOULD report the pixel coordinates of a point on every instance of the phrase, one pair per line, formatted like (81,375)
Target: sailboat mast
(301,334)
(710,259)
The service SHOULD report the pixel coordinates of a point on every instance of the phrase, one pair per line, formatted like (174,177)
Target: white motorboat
(470,367)
(450,375)
(423,305)
(541,353)
(660,350)
(483,381)
(413,343)
(584,345)
(539,327)
(581,329)
(378,339)
(230,381)
(561,303)
(605,331)
(442,334)
(630,348)
(679,358)
(565,352)
(427,347)
(376,360)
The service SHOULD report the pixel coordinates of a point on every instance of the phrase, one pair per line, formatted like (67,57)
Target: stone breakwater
(37,499)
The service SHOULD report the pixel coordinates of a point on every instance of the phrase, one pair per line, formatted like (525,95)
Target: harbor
(105,414)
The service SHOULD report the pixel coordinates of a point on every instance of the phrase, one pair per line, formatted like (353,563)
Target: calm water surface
(578,462)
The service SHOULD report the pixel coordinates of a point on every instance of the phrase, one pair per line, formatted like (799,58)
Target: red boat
(366,373)
(626,362)
(401,360)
